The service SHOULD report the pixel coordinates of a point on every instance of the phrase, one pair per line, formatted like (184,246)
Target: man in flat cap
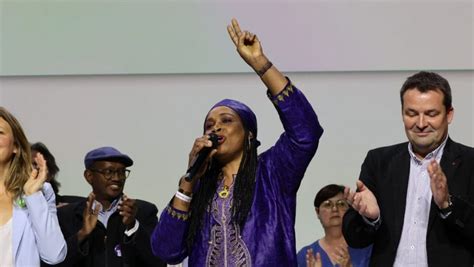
(109,228)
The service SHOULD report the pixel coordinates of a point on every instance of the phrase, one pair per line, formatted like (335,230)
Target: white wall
(155,118)
(51,37)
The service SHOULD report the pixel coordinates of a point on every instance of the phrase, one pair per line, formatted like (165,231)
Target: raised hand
(248,46)
(363,201)
(37,177)
(439,185)
(89,216)
(250,49)
(128,210)
(313,260)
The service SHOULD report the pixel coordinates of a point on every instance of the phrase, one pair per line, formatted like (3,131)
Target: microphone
(201,157)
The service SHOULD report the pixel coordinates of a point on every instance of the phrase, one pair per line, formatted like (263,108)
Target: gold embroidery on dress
(179,216)
(285,93)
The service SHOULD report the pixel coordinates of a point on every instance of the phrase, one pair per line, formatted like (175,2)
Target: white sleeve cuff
(444,216)
(133,230)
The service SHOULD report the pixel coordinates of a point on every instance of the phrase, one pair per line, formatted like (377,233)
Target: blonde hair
(20,164)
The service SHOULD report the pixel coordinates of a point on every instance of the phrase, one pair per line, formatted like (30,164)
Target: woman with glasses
(29,228)
(331,249)
(239,209)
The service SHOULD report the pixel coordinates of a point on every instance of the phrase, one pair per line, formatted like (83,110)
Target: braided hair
(244,188)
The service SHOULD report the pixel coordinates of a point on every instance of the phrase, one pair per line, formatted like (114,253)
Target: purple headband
(245,113)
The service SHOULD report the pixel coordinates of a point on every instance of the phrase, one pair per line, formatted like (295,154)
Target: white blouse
(6,253)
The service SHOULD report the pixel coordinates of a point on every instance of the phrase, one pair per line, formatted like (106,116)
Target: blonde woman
(29,227)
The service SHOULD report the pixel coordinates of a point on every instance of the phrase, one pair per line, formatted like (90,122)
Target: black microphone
(201,157)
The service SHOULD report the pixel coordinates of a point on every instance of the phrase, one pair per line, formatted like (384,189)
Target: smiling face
(227,125)
(332,210)
(106,188)
(426,120)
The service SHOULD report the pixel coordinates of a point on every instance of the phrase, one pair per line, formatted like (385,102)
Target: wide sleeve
(357,232)
(293,151)
(168,240)
(44,221)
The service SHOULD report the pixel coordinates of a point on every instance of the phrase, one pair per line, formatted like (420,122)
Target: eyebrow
(220,115)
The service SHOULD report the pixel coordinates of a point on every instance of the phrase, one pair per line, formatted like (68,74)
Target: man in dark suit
(109,228)
(415,201)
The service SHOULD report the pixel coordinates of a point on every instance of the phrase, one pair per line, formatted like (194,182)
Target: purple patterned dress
(268,236)
(226,247)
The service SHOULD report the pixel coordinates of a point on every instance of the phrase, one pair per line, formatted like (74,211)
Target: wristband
(183,197)
(264,69)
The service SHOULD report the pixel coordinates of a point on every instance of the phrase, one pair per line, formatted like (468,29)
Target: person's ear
(450,114)
(88,176)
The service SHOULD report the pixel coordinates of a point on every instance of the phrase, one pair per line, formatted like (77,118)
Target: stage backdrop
(50,37)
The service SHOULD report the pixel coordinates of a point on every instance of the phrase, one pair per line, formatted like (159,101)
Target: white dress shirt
(412,247)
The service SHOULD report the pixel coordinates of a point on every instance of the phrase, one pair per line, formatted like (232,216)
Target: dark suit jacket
(109,246)
(385,171)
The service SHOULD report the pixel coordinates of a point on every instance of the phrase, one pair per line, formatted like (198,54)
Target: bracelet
(264,69)
(189,194)
(183,197)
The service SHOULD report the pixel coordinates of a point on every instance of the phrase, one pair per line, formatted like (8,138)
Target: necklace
(224,193)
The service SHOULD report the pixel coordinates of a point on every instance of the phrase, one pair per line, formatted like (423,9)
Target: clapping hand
(342,256)
(37,177)
(128,210)
(439,185)
(313,260)
(89,217)
(363,201)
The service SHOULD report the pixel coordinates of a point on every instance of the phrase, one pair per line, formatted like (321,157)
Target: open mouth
(220,139)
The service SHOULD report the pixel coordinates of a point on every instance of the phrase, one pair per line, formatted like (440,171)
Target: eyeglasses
(109,173)
(340,204)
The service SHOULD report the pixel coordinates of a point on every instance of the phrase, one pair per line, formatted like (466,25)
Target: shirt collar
(112,206)
(435,154)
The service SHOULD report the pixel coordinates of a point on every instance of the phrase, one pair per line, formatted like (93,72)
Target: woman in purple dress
(239,210)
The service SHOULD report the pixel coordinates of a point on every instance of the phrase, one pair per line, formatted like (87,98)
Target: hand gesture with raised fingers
(248,46)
